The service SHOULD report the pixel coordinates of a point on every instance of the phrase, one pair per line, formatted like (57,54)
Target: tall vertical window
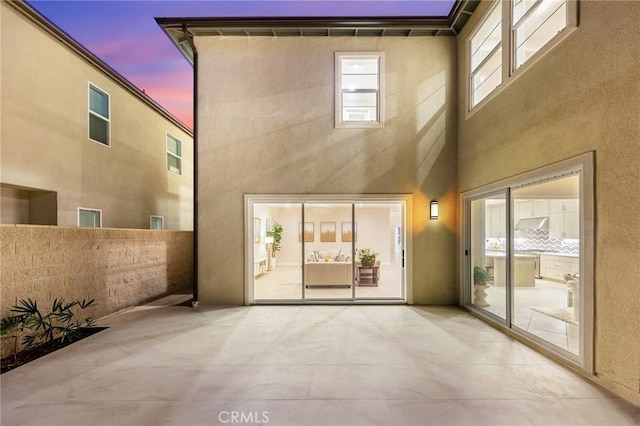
(486,56)
(534,24)
(98,115)
(358,89)
(89,218)
(156,222)
(174,154)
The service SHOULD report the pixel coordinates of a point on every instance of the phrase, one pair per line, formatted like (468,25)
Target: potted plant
(276,234)
(480,278)
(367,256)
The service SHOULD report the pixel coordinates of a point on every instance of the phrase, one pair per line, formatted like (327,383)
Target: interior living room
(326,251)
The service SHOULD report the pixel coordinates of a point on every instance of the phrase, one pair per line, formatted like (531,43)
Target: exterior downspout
(189,37)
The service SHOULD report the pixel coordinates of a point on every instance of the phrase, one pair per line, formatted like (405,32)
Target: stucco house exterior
(469,114)
(80,143)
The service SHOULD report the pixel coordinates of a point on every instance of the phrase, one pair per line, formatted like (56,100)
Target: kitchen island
(523,272)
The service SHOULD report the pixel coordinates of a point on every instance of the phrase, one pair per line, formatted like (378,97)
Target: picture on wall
(348,235)
(327,232)
(308,232)
(256,230)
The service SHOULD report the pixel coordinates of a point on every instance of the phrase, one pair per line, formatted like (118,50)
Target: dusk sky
(125,35)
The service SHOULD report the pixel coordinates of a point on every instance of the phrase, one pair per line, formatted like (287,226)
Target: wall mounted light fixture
(433,210)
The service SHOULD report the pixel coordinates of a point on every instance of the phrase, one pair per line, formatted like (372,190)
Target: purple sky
(125,35)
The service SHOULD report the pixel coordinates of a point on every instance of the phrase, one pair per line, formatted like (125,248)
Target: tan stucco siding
(45,142)
(583,95)
(266,125)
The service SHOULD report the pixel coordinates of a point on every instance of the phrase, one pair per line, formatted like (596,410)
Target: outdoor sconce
(433,209)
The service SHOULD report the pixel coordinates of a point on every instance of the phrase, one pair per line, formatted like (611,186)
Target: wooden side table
(368,276)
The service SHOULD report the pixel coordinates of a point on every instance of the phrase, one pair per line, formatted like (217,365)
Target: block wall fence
(118,268)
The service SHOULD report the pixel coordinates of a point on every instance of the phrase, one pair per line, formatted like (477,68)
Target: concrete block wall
(116,267)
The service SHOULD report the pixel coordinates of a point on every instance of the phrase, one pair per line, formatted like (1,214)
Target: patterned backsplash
(538,239)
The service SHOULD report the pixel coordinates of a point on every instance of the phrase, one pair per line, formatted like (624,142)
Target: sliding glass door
(488,253)
(528,256)
(307,250)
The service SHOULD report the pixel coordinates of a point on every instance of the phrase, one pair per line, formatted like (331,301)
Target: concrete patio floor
(302,365)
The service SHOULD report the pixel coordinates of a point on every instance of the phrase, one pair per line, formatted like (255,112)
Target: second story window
(174,154)
(99,121)
(535,23)
(359,89)
(485,46)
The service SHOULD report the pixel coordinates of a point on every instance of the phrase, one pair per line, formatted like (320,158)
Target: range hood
(532,223)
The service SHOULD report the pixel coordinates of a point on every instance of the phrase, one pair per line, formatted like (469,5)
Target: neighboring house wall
(266,125)
(118,268)
(581,96)
(45,144)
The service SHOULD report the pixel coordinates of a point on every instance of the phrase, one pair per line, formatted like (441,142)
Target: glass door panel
(378,229)
(277,263)
(546,246)
(489,254)
(328,256)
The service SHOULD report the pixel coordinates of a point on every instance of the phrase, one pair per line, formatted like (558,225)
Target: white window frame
(169,153)
(571,24)
(339,122)
(156,217)
(471,72)
(87,209)
(509,70)
(100,116)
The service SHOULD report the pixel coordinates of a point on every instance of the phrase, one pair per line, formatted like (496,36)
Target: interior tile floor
(285,283)
(302,365)
(546,294)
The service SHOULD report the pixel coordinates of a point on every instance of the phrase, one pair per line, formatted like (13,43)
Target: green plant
(37,328)
(481,276)
(367,255)
(276,233)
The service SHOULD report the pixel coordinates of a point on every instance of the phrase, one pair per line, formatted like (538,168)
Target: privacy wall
(118,268)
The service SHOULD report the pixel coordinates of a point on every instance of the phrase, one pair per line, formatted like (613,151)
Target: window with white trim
(174,154)
(156,222)
(359,89)
(99,121)
(89,218)
(485,46)
(529,27)
(535,23)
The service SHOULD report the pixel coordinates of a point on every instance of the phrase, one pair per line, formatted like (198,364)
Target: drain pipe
(189,37)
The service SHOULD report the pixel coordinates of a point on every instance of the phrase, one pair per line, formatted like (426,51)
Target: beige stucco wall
(118,268)
(584,95)
(266,125)
(45,141)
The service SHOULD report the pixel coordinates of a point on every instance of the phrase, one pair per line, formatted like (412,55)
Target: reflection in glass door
(489,254)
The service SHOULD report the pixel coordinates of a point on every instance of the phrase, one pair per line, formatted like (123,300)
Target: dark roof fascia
(68,41)
(179,30)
